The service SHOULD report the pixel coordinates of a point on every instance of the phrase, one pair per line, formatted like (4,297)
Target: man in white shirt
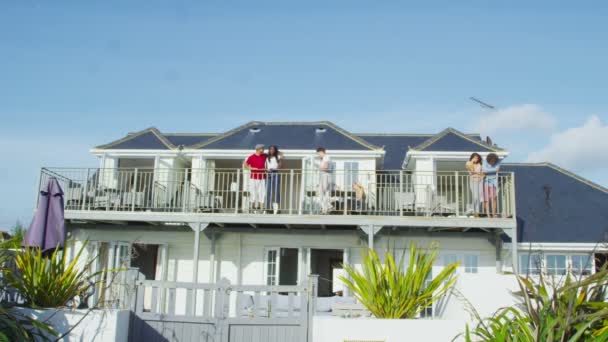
(325,169)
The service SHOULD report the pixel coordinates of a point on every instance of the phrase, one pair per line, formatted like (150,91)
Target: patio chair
(134,198)
(405,201)
(106,199)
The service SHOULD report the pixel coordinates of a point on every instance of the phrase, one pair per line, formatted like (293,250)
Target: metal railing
(286,192)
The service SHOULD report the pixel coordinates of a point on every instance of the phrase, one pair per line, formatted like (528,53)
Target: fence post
(401,193)
(134,190)
(85,191)
(313,283)
(457,191)
(222,291)
(139,298)
(185,190)
(237,196)
(291,194)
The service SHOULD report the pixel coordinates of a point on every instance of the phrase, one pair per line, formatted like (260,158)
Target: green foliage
(16,238)
(388,290)
(571,310)
(48,281)
(17,327)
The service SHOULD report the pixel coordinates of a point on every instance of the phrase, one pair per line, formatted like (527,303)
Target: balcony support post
(371,230)
(198,228)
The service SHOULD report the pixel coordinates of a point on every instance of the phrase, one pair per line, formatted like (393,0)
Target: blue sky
(75,74)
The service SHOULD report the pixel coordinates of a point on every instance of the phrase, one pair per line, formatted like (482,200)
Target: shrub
(48,281)
(388,290)
(17,327)
(570,310)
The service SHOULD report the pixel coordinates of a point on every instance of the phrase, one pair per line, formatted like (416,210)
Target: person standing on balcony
(325,169)
(474,166)
(257,183)
(274,163)
(490,171)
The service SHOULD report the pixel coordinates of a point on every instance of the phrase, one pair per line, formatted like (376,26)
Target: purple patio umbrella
(47,230)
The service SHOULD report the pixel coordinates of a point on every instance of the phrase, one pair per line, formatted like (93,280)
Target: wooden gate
(177,311)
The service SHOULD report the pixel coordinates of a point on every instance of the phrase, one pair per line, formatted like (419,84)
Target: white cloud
(517,118)
(577,148)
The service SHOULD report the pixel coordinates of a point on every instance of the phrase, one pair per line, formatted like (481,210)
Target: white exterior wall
(486,290)
(108,176)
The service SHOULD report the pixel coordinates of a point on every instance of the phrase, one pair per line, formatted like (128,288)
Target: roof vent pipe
(254,129)
(321,130)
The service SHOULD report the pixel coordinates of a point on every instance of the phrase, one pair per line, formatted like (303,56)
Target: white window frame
(277,262)
(590,263)
(461,257)
(470,269)
(555,271)
(531,269)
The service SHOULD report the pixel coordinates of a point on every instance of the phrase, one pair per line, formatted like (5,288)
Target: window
(146,258)
(272,267)
(471,263)
(428,311)
(281,266)
(450,259)
(581,264)
(351,173)
(556,264)
(530,263)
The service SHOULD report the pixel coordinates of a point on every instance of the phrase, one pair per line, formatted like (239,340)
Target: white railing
(286,192)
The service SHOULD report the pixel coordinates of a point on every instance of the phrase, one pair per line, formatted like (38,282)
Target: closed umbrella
(47,230)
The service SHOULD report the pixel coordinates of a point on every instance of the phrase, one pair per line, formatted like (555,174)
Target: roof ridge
(406,134)
(443,133)
(189,134)
(224,135)
(310,123)
(563,171)
(133,135)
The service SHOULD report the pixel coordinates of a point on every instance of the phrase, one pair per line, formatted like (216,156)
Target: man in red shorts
(257,183)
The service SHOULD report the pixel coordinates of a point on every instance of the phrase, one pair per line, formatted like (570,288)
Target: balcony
(227,195)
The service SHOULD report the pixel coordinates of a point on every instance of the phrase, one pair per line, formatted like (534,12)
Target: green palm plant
(389,290)
(569,310)
(49,281)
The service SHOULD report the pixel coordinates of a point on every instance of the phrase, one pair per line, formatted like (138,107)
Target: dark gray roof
(454,141)
(148,139)
(555,205)
(395,146)
(187,139)
(292,136)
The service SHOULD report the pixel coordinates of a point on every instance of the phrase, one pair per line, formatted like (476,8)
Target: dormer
(448,150)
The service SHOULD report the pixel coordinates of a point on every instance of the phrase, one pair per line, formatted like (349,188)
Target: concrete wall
(96,326)
(335,329)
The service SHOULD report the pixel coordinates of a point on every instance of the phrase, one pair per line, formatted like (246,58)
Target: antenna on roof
(482,104)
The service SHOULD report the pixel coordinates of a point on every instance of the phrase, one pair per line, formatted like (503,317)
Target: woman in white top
(474,167)
(274,163)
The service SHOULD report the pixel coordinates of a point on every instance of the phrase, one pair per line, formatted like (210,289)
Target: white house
(177,207)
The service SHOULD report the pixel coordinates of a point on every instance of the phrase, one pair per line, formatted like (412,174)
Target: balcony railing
(286,192)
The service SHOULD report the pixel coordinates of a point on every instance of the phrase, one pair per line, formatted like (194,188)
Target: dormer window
(321,130)
(254,129)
